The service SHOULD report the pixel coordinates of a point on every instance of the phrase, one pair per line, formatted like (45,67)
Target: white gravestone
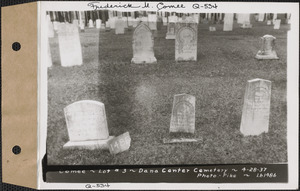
(277,24)
(183,114)
(69,45)
(98,23)
(261,17)
(152,21)
(267,50)
(119,144)
(269,22)
(228,22)
(112,22)
(165,21)
(256,109)
(119,26)
(91,23)
(87,125)
(171,27)
(186,41)
(142,45)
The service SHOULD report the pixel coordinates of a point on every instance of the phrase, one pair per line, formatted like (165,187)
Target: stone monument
(69,45)
(186,41)
(119,26)
(228,22)
(142,45)
(277,24)
(119,144)
(256,109)
(87,125)
(267,48)
(183,114)
(171,27)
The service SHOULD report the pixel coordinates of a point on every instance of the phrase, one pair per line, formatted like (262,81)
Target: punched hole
(16,46)
(16,150)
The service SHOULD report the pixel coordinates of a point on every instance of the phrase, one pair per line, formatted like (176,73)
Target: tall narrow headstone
(228,22)
(119,26)
(256,109)
(142,45)
(91,23)
(98,23)
(277,24)
(267,50)
(87,125)
(183,114)
(186,41)
(69,45)
(261,17)
(172,20)
(152,21)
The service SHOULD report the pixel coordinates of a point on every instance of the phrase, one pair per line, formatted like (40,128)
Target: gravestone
(98,23)
(107,26)
(152,21)
(261,17)
(186,41)
(212,29)
(267,48)
(119,26)
(183,114)
(142,45)
(256,109)
(277,24)
(228,22)
(50,27)
(91,23)
(171,31)
(269,22)
(69,45)
(165,21)
(87,125)
(119,144)
(246,25)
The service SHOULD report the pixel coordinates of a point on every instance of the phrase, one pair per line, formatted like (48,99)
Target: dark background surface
(8,187)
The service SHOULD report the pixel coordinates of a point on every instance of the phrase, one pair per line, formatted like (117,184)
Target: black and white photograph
(166,87)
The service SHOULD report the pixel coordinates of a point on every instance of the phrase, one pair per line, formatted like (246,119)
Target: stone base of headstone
(142,60)
(263,56)
(246,26)
(89,145)
(170,36)
(180,140)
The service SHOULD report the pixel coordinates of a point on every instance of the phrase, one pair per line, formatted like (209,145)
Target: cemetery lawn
(138,98)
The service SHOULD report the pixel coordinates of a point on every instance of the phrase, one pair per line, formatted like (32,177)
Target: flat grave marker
(119,144)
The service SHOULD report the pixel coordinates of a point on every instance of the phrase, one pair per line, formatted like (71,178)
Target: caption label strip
(183,174)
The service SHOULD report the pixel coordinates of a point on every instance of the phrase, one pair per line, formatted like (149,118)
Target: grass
(138,98)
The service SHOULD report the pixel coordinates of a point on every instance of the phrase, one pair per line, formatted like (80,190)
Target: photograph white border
(223,7)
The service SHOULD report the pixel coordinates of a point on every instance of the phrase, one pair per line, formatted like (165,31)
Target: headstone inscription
(186,41)
(256,109)
(267,48)
(119,144)
(277,24)
(119,26)
(142,45)
(87,125)
(228,22)
(183,114)
(69,45)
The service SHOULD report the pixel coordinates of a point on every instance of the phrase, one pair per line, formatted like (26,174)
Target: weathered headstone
(87,125)
(261,17)
(69,45)
(152,21)
(269,22)
(91,23)
(142,45)
(228,22)
(119,144)
(183,114)
(98,23)
(186,41)
(277,24)
(267,48)
(212,29)
(107,26)
(119,26)
(256,109)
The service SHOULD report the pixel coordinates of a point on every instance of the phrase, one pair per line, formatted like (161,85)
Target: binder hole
(16,46)
(16,150)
